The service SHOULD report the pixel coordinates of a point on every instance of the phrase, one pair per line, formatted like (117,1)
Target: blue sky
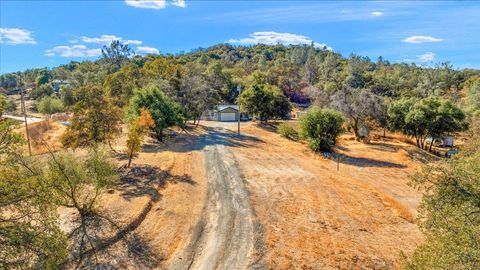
(48,33)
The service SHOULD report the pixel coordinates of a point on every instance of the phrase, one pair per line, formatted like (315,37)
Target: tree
(95,119)
(426,117)
(67,96)
(473,97)
(359,106)
(43,78)
(121,85)
(321,128)
(9,141)
(265,101)
(195,96)
(449,214)
(116,54)
(29,232)
(78,182)
(137,130)
(3,104)
(164,111)
(49,106)
(32,189)
(44,90)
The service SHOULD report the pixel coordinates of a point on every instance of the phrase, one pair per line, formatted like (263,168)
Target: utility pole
(24,110)
(239,88)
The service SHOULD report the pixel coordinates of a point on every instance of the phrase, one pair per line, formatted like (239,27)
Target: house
(56,85)
(223,113)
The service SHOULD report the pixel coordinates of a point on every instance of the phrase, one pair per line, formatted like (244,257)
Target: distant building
(56,85)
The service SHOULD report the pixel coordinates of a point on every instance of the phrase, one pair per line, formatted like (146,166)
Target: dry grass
(361,217)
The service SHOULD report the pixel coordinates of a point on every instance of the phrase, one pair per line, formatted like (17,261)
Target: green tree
(43,78)
(9,140)
(95,119)
(426,117)
(44,90)
(116,54)
(137,130)
(473,97)
(321,128)
(265,102)
(67,95)
(29,233)
(49,106)
(164,111)
(449,214)
(121,85)
(3,104)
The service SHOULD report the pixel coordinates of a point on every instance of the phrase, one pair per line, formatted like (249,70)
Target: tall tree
(95,119)
(265,102)
(426,117)
(120,85)
(116,54)
(164,111)
(360,106)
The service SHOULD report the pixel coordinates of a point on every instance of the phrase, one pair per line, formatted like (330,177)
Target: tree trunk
(129,160)
(431,143)
(384,133)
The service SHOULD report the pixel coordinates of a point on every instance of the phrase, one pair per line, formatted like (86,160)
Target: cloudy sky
(46,34)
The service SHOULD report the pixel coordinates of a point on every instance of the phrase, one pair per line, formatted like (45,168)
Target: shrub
(287,131)
(321,128)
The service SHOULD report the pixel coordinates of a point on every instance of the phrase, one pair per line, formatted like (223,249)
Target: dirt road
(224,237)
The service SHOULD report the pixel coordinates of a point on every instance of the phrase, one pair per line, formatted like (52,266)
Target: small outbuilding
(222,113)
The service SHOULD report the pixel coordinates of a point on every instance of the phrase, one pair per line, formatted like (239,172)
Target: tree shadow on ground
(144,180)
(198,141)
(384,147)
(367,162)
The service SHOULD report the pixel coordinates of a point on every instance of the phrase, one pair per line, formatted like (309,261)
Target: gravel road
(224,237)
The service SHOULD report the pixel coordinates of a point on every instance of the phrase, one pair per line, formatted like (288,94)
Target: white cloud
(179,3)
(421,39)
(15,36)
(146,50)
(426,57)
(155,4)
(377,13)
(159,4)
(107,39)
(73,51)
(272,38)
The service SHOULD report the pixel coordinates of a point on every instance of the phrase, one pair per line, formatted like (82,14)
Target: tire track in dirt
(224,237)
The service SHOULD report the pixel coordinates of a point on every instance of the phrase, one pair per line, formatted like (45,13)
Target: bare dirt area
(315,217)
(208,199)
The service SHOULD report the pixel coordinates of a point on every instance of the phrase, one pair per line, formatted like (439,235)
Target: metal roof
(223,107)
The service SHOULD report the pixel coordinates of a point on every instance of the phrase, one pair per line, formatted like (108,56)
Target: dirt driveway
(224,236)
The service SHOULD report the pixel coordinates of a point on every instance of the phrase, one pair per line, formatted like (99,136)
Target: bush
(287,131)
(321,128)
